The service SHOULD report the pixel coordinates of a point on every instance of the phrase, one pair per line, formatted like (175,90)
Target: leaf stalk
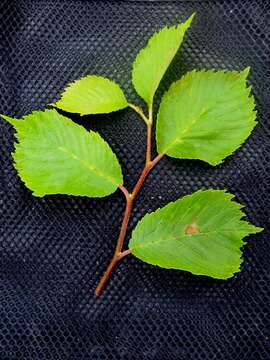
(139,111)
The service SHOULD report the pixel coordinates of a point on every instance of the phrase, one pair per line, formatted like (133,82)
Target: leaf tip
(54,105)
(186,24)
(192,16)
(258,229)
(246,71)
(9,119)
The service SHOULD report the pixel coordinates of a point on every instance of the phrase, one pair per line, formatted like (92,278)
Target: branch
(118,254)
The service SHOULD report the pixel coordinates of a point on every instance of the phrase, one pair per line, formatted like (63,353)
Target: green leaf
(92,95)
(56,156)
(152,61)
(205,115)
(201,233)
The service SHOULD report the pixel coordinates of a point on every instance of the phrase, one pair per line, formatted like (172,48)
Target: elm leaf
(206,115)
(152,61)
(201,233)
(56,156)
(92,95)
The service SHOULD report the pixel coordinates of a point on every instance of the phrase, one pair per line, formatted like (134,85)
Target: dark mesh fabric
(53,250)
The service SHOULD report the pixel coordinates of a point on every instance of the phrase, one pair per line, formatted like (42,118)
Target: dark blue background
(53,250)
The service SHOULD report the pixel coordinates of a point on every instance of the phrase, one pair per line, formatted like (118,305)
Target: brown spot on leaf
(191,229)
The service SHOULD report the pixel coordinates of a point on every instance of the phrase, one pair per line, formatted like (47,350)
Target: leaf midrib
(87,165)
(178,139)
(160,73)
(205,233)
(179,136)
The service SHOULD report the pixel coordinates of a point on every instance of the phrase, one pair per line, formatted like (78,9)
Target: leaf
(92,95)
(201,233)
(152,61)
(205,115)
(56,156)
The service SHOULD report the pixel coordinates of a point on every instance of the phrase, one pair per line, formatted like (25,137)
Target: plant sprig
(205,115)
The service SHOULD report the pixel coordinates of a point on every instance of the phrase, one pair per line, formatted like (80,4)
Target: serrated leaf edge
(16,156)
(238,206)
(186,24)
(244,73)
(70,84)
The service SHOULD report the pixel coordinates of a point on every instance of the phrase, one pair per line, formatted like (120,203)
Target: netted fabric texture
(53,250)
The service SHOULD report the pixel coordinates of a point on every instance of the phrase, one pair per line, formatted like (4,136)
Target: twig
(118,254)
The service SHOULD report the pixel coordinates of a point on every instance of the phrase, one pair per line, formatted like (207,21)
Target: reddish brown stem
(118,254)
(109,270)
(129,203)
(106,276)
(149,166)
